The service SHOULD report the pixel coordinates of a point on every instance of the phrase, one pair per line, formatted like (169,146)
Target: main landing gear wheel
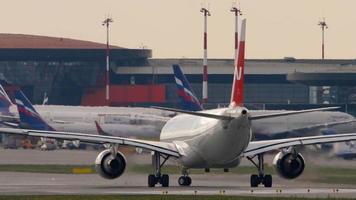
(254,181)
(151,180)
(163,180)
(261,178)
(156,178)
(266,180)
(184,181)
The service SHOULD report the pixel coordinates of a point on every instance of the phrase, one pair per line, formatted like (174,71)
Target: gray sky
(174,28)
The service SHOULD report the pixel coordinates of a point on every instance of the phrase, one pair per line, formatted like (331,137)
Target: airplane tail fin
(100,130)
(5,102)
(29,117)
(188,99)
(238,82)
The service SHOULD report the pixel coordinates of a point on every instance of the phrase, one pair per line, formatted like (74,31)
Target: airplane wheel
(165,180)
(189,181)
(254,180)
(151,180)
(267,181)
(181,181)
(184,181)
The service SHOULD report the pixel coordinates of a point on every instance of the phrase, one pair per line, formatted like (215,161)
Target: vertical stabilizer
(238,81)
(5,102)
(186,95)
(29,117)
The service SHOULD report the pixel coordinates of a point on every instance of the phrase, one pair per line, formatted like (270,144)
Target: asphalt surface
(40,184)
(130,183)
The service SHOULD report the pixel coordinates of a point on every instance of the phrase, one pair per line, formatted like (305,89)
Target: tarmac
(12,183)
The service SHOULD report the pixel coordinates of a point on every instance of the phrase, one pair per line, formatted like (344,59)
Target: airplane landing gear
(156,178)
(261,178)
(185,180)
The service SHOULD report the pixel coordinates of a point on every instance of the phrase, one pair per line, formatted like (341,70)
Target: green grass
(58,169)
(143,197)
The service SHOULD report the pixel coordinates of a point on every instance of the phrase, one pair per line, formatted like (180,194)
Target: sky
(174,28)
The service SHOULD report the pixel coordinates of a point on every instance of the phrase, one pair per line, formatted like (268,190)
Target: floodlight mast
(237,12)
(106,23)
(205,61)
(323,26)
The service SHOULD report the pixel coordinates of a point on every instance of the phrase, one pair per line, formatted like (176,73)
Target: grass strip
(57,169)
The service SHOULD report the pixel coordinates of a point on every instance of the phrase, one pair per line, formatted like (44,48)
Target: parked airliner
(217,138)
(118,121)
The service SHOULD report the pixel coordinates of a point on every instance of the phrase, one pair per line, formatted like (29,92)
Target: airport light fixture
(323,26)
(237,12)
(106,23)
(206,13)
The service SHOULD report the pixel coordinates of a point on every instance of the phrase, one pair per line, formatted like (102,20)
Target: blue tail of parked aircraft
(29,117)
(186,94)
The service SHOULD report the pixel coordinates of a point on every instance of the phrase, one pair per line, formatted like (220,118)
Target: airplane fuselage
(209,143)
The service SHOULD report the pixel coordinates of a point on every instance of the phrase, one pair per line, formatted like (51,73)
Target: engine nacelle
(289,165)
(108,166)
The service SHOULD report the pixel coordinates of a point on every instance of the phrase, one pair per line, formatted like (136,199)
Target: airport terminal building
(71,72)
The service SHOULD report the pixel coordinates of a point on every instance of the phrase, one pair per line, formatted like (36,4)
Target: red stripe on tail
(238,82)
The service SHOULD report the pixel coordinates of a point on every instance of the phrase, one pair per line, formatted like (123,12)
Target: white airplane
(217,138)
(118,121)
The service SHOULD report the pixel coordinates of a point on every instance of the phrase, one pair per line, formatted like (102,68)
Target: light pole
(205,61)
(106,23)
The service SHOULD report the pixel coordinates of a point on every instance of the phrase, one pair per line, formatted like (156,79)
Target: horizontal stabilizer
(258,147)
(200,114)
(8,117)
(10,124)
(286,113)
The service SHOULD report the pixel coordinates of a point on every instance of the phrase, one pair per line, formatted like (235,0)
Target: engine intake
(289,165)
(108,166)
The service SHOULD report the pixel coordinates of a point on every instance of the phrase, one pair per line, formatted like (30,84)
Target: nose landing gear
(184,180)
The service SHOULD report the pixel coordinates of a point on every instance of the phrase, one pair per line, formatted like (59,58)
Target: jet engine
(109,166)
(289,165)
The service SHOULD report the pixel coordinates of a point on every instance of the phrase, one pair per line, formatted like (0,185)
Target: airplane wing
(258,147)
(165,148)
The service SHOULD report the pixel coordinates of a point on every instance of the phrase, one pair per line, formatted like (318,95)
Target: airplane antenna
(106,23)
(206,13)
(323,26)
